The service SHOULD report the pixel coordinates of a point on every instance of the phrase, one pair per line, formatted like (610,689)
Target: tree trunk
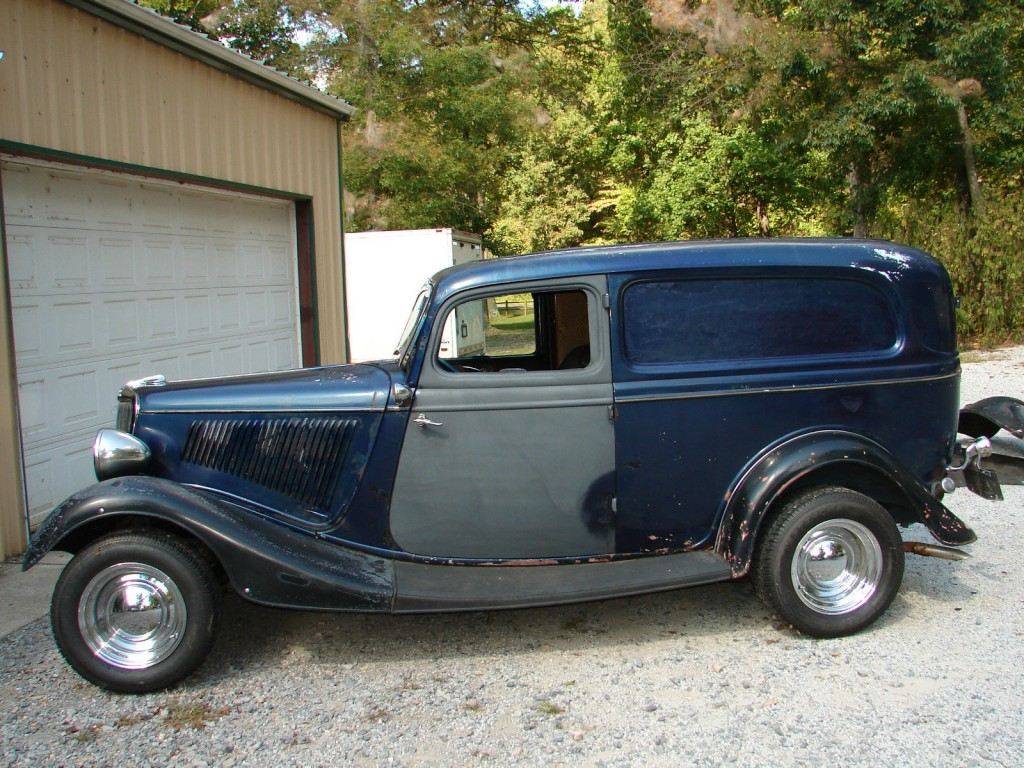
(860,219)
(970,167)
(763,227)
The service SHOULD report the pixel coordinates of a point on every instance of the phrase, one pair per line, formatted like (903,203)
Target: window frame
(594,287)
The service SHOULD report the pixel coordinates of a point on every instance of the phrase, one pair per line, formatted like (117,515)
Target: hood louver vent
(302,458)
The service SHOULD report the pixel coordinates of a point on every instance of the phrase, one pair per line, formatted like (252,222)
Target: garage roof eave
(166,32)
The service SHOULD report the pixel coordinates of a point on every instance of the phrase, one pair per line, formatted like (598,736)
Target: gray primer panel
(522,465)
(507,483)
(454,588)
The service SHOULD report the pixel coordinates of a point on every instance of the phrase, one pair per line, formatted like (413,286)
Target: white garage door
(113,278)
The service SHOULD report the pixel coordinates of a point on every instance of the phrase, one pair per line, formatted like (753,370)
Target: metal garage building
(168,206)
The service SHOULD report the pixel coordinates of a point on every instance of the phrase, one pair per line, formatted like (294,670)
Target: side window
(704,320)
(517,332)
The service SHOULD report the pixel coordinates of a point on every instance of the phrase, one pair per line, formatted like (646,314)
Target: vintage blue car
(608,421)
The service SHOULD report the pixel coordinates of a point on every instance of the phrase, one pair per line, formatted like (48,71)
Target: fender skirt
(774,472)
(266,561)
(986,417)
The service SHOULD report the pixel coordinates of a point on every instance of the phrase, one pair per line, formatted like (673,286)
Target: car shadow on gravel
(254,635)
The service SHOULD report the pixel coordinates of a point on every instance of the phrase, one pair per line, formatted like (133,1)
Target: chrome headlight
(116,453)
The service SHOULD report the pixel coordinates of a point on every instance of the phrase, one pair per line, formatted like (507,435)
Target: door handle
(423,421)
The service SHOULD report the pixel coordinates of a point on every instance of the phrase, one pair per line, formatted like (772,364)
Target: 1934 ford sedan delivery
(606,422)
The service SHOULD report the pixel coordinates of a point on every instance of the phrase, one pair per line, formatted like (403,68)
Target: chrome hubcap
(837,567)
(132,615)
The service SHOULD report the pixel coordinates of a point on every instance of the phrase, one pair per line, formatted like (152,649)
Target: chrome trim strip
(776,390)
(273,409)
(522,406)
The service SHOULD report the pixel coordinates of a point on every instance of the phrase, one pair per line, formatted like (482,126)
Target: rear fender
(795,461)
(986,417)
(266,562)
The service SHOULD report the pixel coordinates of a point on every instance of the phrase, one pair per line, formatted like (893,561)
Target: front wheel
(830,562)
(135,612)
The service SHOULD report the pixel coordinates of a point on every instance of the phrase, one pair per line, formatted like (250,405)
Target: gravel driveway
(703,676)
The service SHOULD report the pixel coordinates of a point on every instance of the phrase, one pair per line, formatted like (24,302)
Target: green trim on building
(71,158)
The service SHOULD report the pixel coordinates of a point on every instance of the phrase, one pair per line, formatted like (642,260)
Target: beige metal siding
(71,82)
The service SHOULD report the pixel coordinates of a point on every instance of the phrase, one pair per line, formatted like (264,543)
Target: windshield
(419,308)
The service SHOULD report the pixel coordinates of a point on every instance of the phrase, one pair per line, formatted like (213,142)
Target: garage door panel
(226,263)
(228,312)
(74,327)
(156,209)
(77,402)
(197,316)
(253,258)
(64,200)
(112,207)
(32,396)
(232,359)
(157,263)
(276,264)
(255,303)
(28,331)
(282,354)
(193,264)
(121,320)
(52,470)
(160,321)
(112,278)
(39,485)
(116,258)
(258,354)
(24,188)
(21,267)
(200,364)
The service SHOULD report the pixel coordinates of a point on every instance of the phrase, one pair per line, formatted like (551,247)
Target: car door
(509,449)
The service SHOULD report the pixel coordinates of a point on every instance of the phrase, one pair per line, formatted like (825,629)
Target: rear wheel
(830,561)
(135,612)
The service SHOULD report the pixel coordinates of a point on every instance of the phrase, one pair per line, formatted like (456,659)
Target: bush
(982,255)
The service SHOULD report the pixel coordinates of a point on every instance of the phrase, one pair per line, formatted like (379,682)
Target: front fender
(770,475)
(266,562)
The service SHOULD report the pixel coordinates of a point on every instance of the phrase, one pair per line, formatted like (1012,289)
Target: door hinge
(607,301)
(612,413)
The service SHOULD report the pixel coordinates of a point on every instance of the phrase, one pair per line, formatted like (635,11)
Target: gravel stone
(936,682)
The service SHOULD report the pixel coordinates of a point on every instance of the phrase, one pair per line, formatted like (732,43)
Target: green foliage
(545,125)
(265,30)
(191,13)
(983,257)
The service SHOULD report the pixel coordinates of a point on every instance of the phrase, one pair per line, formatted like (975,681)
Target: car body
(658,416)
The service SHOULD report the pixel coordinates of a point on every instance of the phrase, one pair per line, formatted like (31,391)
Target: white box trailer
(384,272)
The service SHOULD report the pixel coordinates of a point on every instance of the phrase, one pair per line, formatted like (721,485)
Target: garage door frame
(304,227)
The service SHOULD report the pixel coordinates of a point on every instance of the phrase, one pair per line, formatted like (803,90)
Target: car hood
(332,388)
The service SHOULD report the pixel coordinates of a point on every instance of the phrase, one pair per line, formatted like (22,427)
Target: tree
(880,88)
(446,98)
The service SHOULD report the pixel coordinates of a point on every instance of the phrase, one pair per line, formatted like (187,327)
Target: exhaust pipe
(934,550)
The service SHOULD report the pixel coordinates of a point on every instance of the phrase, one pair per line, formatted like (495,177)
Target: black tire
(830,561)
(136,650)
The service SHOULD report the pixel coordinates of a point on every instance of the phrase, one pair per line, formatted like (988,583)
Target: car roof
(872,255)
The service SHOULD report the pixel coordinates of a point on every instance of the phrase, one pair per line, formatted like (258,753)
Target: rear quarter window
(735,319)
